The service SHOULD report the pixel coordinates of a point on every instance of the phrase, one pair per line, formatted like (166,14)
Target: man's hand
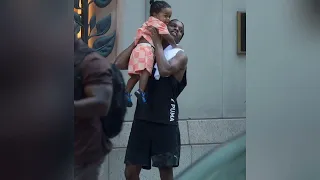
(154,34)
(97,101)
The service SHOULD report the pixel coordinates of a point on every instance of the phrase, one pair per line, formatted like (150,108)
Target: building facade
(283,102)
(212,107)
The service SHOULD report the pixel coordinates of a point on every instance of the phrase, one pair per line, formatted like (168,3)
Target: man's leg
(166,173)
(165,149)
(138,150)
(87,172)
(132,172)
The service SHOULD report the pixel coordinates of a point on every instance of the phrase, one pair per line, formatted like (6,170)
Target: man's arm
(97,79)
(95,105)
(122,60)
(172,66)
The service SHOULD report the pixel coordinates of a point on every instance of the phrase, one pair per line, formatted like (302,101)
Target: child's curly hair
(157,6)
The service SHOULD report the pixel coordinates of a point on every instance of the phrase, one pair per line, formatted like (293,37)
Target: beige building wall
(213,104)
(283,101)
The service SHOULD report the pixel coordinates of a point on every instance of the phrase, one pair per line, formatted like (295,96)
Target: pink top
(152,21)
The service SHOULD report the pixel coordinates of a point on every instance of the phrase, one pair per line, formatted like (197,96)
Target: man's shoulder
(96,69)
(94,59)
(181,55)
(94,56)
(182,59)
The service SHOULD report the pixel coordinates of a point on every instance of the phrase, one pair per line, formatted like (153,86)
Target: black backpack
(112,123)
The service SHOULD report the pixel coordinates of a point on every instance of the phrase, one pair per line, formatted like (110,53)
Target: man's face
(176,29)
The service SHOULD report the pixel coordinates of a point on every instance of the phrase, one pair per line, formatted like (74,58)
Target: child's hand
(154,34)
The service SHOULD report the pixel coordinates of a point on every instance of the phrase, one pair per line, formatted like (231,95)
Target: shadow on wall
(307,14)
(317,7)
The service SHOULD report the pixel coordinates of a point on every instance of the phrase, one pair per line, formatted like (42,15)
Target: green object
(102,26)
(102,43)
(102,3)
(227,162)
(93,22)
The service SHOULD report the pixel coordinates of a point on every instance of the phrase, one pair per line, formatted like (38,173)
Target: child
(142,57)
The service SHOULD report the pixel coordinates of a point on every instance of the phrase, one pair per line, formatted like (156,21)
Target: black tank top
(162,102)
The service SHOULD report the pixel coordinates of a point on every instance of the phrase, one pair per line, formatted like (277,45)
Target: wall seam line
(222,61)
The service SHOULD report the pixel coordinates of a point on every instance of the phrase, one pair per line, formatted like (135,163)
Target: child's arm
(170,40)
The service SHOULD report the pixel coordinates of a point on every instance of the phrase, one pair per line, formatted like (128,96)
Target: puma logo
(172,110)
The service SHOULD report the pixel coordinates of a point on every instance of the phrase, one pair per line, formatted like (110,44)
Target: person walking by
(90,103)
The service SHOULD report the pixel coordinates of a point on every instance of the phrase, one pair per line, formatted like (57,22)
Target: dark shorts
(153,142)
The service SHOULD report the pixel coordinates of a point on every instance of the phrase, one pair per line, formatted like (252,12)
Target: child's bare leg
(143,81)
(130,84)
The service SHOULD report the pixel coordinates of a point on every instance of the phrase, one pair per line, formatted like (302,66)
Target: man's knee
(132,172)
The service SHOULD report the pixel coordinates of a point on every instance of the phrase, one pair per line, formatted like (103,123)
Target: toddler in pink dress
(141,61)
